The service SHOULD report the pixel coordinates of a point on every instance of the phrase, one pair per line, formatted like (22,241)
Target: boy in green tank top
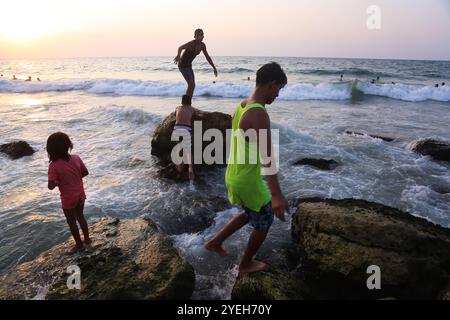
(244,179)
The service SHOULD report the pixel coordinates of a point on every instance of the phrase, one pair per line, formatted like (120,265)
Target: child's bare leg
(72,222)
(254,243)
(215,244)
(82,221)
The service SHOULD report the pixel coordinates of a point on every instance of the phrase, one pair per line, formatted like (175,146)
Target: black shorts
(187,73)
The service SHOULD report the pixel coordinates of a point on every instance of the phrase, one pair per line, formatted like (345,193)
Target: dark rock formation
(353,133)
(130,260)
(16,150)
(162,145)
(438,150)
(340,239)
(321,164)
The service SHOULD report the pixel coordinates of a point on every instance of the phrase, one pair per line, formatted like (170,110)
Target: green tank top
(243,178)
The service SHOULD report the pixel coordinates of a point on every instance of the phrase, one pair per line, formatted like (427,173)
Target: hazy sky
(410,29)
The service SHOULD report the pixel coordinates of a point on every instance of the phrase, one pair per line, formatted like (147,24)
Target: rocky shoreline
(337,240)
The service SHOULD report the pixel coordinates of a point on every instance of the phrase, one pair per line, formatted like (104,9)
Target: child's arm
(52,177)
(52,185)
(180,49)
(84,170)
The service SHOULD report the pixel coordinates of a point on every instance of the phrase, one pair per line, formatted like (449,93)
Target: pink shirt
(68,177)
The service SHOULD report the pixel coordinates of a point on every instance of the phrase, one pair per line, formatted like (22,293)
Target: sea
(110,108)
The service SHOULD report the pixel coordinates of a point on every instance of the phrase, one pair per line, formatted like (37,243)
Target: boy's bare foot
(191,175)
(179,168)
(75,249)
(211,246)
(253,266)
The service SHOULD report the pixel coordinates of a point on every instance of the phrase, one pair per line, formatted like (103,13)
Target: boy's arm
(208,58)
(180,49)
(261,123)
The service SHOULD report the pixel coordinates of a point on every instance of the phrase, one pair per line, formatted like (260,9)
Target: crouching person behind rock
(185,115)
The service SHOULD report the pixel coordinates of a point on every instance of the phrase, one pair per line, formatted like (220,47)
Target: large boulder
(16,150)
(438,150)
(340,239)
(162,144)
(272,284)
(130,260)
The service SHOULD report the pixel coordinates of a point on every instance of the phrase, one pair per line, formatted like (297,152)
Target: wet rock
(445,295)
(438,150)
(354,133)
(16,150)
(138,262)
(162,145)
(271,284)
(321,164)
(189,214)
(340,239)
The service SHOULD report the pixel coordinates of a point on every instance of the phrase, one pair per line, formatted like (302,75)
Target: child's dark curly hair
(58,146)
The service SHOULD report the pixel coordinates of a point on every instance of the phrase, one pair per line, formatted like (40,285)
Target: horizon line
(224,56)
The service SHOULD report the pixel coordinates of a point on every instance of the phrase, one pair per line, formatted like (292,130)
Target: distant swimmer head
(272,77)
(14,77)
(378,78)
(436,85)
(443,84)
(186,100)
(29,78)
(38,79)
(199,34)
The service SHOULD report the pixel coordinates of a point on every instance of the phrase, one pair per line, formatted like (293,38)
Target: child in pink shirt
(66,171)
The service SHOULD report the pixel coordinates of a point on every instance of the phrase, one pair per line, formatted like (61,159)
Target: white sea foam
(406,92)
(292,92)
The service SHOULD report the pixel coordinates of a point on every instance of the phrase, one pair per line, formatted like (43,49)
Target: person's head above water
(58,146)
(186,100)
(443,84)
(272,79)
(199,35)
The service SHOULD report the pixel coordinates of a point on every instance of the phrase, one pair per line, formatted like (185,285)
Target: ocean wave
(406,92)
(345,72)
(292,92)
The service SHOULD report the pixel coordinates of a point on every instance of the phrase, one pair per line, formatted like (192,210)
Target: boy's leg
(262,222)
(72,222)
(254,243)
(191,87)
(215,244)
(82,221)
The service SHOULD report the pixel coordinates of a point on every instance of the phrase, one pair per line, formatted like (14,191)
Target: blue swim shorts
(261,220)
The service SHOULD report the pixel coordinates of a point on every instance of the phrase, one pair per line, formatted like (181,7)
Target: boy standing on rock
(244,179)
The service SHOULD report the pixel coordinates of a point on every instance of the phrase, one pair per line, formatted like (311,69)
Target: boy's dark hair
(271,72)
(187,100)
(198,31)
(58,146)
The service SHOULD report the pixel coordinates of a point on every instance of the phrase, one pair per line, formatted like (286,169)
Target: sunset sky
(410,29)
